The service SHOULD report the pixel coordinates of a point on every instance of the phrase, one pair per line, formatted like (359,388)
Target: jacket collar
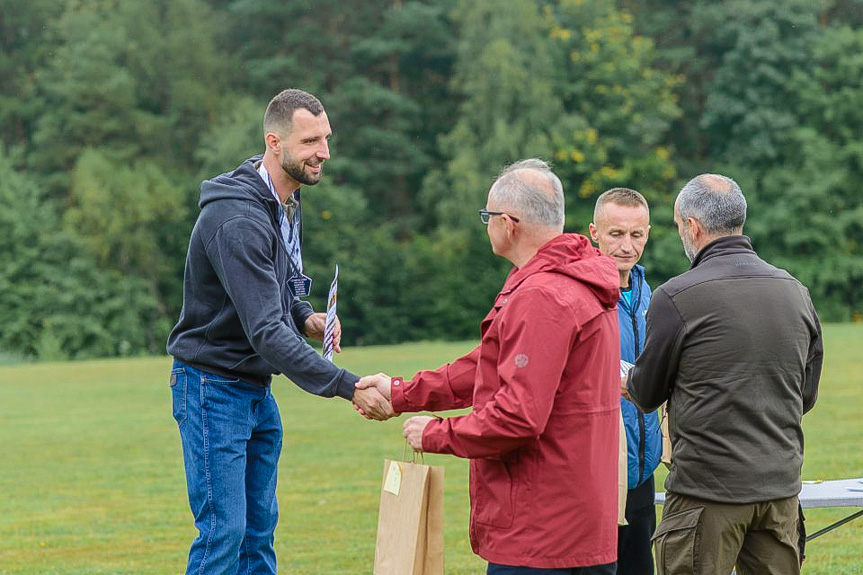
(636,274)
(723,246)
(636,282)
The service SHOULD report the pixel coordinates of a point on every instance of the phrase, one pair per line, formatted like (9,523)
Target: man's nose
(324,151)
(626,244)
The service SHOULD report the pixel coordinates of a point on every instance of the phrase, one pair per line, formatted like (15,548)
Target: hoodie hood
(574,256)
(244,183)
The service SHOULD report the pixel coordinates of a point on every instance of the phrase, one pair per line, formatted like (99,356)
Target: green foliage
(503,75)
(118,109)
(817,188)
(390,288)
(618,108)
(22,50)
(132,218)
(119,210)
(750,108)
(234,136)
(123,77)
(55,303)
(772,98)
(507,111)
(123,104)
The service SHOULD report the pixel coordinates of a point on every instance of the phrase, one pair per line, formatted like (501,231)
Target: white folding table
(833,493)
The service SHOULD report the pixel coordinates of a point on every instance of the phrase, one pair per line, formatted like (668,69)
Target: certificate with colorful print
(330,326)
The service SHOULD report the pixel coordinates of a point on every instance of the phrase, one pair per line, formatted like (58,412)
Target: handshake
(373,397)
(373,400)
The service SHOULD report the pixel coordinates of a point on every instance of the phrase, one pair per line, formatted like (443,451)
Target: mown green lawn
(91,478)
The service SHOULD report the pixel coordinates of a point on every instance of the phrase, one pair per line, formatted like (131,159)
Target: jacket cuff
(300,313)
(397,394)
(432,441)
(347,385)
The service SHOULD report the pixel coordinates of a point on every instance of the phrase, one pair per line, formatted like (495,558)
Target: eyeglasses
(485,216)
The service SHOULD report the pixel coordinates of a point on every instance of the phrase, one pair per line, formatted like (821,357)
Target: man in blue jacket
(621,224)
(242,322)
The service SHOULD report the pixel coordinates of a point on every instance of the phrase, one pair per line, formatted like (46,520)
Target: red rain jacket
(542,436)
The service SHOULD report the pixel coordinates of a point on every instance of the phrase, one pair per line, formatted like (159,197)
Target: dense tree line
(112,111)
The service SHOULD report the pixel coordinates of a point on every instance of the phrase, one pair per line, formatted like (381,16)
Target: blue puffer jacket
(642,430)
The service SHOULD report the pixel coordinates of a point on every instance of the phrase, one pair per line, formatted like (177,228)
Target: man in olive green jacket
(734,345)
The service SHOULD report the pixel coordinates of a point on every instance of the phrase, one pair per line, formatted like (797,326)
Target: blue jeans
(232,436)
(607,569)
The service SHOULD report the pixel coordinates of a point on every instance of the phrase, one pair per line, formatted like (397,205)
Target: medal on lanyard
(300,285)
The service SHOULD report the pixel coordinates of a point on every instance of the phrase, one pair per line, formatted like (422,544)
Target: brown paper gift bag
(410,520)
(666,437)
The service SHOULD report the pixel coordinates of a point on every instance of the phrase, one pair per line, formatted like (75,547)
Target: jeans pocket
(217,379)
(179,386)
(676,542)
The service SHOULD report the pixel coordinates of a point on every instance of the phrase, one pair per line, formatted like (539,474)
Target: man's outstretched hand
(372,398)
(380,381)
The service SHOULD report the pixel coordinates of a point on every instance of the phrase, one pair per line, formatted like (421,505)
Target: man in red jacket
(542,437)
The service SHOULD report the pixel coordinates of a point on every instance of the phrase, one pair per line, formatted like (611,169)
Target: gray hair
(715,201)
(531,189)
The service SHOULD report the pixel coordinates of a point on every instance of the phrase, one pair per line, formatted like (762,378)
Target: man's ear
(695,230)
(510,228)
(594,233)
(274,142)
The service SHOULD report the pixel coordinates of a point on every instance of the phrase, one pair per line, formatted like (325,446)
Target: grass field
(91,478)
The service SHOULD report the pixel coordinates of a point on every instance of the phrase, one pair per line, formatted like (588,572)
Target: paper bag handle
(414,458)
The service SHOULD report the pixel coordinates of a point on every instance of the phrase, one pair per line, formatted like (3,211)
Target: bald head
(715,201)
(530,189)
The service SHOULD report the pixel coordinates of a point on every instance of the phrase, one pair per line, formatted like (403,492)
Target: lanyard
(288,223)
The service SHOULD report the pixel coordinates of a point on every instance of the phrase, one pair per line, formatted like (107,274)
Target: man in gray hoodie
(734,345)
(243,321)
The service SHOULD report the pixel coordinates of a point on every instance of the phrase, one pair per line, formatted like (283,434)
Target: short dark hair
(279,116)
(620,197)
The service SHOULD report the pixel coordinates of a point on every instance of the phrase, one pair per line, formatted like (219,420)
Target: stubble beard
(294,169)
(689,249)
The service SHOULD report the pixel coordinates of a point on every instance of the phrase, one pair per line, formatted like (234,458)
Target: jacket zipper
(641,432)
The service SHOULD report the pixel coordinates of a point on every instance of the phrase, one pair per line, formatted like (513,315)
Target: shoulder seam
(231,219)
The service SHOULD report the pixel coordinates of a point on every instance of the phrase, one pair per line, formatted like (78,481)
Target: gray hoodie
(239,319)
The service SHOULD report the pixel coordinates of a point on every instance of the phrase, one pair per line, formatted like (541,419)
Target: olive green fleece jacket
(734,345)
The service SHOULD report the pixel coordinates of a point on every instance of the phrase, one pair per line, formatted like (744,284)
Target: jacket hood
(574,256)
(243,183)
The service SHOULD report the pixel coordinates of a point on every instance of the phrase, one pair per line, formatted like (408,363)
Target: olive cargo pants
(698,537)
